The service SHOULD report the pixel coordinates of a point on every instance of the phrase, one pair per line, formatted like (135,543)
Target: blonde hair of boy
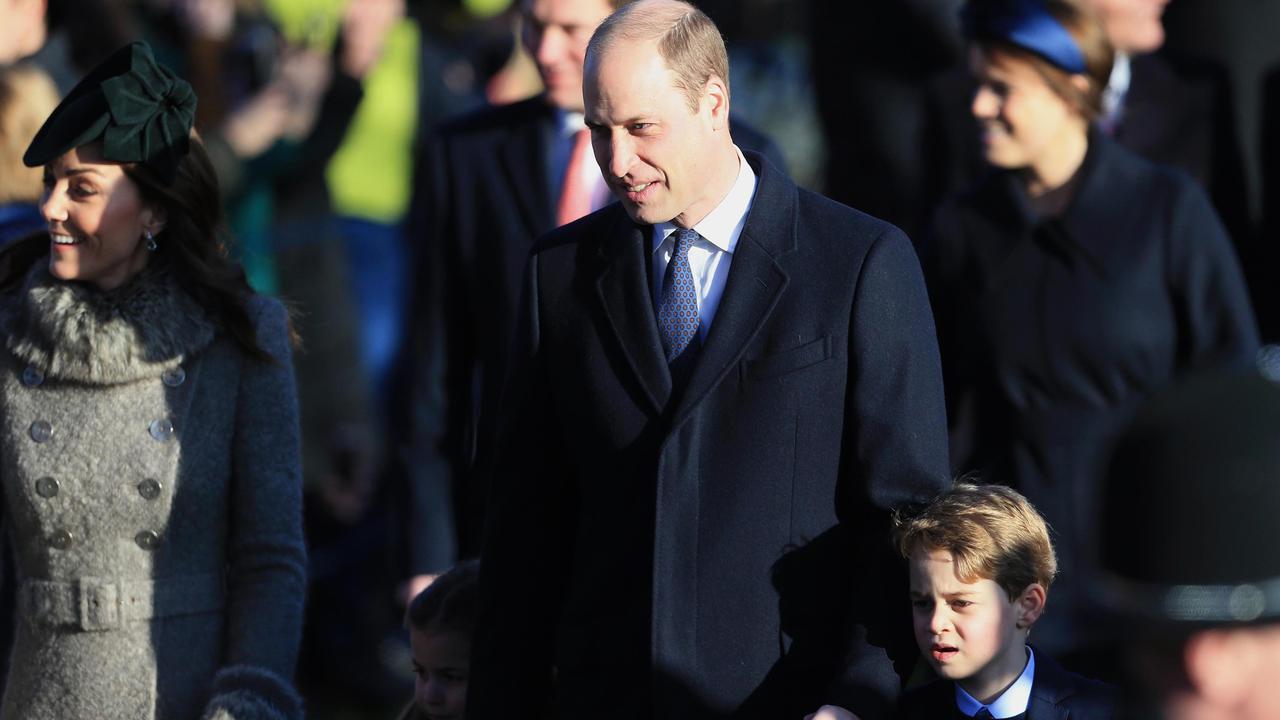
(688,41)
(992,533)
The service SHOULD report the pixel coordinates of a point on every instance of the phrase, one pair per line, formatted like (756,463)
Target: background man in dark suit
(1171,109)
(724,385)
(489,184)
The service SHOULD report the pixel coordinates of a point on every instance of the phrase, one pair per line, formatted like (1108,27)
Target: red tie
(575,195)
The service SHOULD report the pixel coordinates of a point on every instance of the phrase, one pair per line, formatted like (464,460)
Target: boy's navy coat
(713,551)
(1056,694)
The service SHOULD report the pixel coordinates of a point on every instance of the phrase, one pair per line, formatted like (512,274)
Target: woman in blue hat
(148,428)
(1071,283)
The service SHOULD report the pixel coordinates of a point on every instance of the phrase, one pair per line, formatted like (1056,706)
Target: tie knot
(685,239)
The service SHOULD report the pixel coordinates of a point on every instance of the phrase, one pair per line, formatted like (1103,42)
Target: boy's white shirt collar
(1011,703)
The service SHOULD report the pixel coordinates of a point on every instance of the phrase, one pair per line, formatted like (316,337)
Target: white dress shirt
(1011,703)
(711,255)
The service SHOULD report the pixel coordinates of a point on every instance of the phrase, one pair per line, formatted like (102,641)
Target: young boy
(441,620)
(981,564)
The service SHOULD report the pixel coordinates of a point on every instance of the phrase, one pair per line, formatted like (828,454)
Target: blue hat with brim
(137,108)
(1025,24)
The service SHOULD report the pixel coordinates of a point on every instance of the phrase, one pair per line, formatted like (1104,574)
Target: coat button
(147,539)
(61,539)
(149,489)
(46,487)
(32,376)
(41,431)
(161,429)
(174,377)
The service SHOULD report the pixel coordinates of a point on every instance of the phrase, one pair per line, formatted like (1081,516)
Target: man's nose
(621,156)
(549,48)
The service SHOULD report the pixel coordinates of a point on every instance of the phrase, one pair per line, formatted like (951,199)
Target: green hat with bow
(137,108)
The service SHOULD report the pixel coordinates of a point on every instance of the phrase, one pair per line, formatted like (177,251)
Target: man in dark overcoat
(724,386)
(489,183)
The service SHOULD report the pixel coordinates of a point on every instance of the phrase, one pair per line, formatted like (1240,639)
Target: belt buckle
(99,604)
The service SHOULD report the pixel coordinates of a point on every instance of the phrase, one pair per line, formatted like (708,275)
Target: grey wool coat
(151,487)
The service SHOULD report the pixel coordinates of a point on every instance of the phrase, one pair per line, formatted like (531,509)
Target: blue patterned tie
(678,311)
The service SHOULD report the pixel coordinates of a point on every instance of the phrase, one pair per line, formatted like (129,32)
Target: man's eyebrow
(83,171)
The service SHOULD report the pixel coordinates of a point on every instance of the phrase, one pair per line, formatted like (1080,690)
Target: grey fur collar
(73,331)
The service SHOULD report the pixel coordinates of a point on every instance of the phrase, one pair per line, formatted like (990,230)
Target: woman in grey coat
(148,429)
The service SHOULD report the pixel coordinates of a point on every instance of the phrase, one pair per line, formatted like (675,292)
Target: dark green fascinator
(137,108)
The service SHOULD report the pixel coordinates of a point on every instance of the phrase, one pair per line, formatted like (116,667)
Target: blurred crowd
(320,116)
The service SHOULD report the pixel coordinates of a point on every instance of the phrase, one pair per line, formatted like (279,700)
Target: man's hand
(831,712)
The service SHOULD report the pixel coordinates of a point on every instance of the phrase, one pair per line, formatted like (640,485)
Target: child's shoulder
(1085,698)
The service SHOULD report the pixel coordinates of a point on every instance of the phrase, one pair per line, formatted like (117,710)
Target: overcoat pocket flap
(810,353)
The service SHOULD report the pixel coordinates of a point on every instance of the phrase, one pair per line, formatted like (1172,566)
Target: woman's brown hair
(191,246)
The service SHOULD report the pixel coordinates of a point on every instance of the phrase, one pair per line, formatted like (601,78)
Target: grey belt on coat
(101,604)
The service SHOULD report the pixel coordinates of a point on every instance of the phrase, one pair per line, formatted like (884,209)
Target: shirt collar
(569,123)
(1117,85)
(1012,702)
(722,226)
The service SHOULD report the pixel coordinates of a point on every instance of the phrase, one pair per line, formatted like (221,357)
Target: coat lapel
(756,281)
(1097,211)
(524,159)
(623,289)
(1050,687)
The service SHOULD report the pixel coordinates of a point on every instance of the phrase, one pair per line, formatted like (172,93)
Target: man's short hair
(992,533)
(688,41)
(523,5)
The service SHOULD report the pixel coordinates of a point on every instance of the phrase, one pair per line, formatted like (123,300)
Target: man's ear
(715,98)
(1029,605)
(1222,665)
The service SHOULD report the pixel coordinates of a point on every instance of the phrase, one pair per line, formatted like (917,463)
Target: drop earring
(151,241)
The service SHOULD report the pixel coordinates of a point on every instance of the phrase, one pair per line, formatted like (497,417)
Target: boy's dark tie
(983,714)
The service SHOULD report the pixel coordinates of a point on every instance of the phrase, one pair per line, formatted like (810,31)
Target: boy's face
(440,662)
(968,631)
